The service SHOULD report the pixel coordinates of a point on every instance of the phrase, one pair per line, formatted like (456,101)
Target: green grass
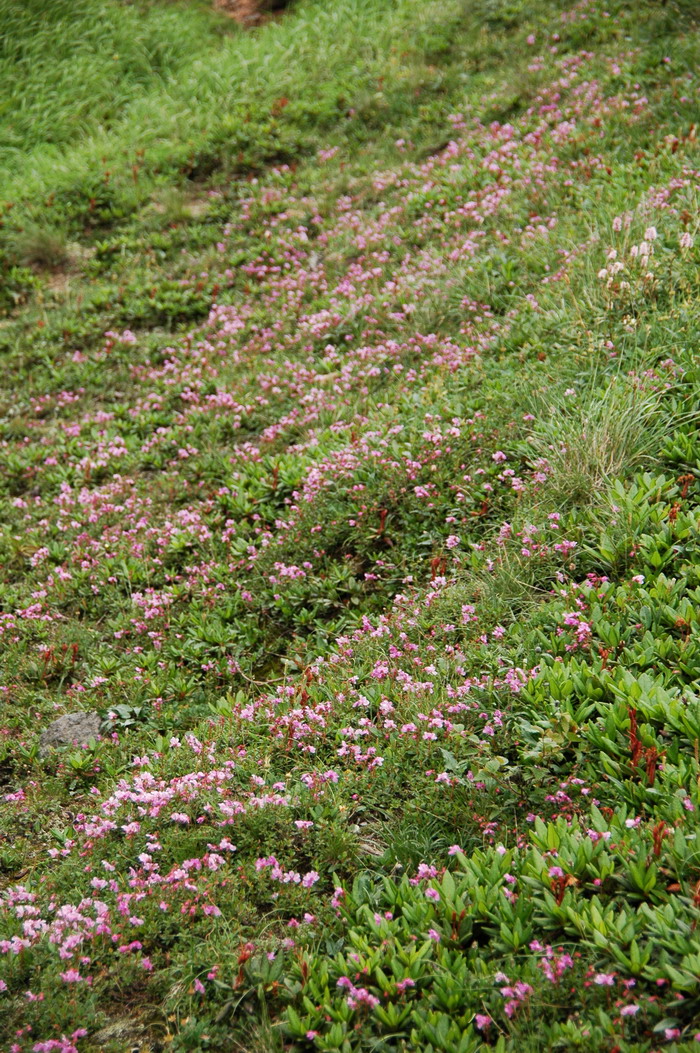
(71,70)
(180,104)
(352,483)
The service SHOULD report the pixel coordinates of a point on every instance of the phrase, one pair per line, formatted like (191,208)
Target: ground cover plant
(350,462)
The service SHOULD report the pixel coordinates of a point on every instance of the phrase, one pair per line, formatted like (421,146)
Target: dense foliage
(350,465)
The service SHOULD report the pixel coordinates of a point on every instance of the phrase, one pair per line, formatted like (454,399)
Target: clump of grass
(41,248)
(171,204)
(609,431)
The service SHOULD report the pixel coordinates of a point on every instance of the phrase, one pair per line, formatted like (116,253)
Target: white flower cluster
(640,256)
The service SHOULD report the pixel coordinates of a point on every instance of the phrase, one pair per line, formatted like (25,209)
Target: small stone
(71,729)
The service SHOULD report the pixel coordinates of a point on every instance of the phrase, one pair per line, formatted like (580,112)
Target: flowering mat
(350,466)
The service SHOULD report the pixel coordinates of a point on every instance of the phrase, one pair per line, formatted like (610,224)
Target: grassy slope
(354,484)
(70,69)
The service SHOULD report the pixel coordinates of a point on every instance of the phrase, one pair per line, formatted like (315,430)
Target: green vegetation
(350,463)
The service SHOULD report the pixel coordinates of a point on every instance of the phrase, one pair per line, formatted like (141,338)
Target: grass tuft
(590,439)
(41,247)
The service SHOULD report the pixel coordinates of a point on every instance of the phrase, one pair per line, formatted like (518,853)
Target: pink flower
(629,1010)
(482,1021)
(357,996)
(71,976)
(604,979)
(452,541)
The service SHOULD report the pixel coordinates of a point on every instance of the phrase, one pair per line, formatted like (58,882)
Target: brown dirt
(249,12)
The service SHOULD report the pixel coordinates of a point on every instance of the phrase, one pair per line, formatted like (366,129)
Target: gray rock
(129,1034)
(73,728)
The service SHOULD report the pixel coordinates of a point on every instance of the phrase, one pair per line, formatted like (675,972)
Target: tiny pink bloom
(71,976)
